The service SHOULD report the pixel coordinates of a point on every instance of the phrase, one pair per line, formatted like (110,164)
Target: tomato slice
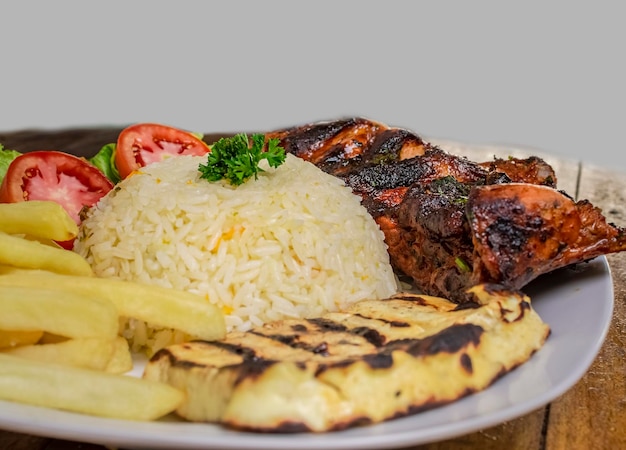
(144,143)
(66,179)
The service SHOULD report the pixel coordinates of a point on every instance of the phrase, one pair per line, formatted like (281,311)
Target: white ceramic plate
(576,303)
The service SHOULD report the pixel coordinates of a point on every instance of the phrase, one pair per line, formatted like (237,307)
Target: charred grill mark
(398,324)
(330,143)
(337,161)
(387,146)
(301,140)
(496,290)
(389,176)
(252,366)
(291,427)
(248,354)
(524,308)
(292,340)
(165,353)
(321,368)
(466,305)
(252,369)
(320,349)
(286,427)
(427,405)
(287,339)
(448,340)
(371,335)
(298,328)
(391,323)
(380,360)
(326,325)
(504,234)
(417,299)
(466,363)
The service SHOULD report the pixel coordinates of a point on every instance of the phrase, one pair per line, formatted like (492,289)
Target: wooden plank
(523,433)
(592,415)
(19,441)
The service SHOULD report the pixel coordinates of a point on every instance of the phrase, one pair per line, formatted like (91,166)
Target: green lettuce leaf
(6,158)
(105,161)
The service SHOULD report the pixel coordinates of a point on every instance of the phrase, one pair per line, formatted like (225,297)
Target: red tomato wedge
(144,143)
(66,179)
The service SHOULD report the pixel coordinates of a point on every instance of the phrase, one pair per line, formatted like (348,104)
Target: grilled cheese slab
(373,362)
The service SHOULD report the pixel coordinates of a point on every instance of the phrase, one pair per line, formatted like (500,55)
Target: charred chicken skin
(451,223)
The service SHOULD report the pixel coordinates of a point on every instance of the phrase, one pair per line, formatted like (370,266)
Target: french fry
(85,391)
(158,306)
(60,312)
(43,219)
(44,241)
(121,360)
(91,353)
(14,338)
(18,252)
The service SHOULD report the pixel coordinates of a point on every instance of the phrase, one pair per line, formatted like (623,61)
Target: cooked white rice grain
(296,242)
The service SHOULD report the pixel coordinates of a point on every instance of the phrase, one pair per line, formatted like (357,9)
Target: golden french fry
(158,306)
(44,241)
(14,338)
(60,312)
(92,353)
(27,254)
(43,219)
(85,391)
(121,360)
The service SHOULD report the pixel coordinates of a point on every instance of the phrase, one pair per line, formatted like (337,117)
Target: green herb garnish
(235,160)
(462,265)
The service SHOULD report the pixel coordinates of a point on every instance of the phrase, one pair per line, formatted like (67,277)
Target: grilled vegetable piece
(376,361)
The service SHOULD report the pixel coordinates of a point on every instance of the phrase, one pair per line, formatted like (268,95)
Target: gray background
(545,75)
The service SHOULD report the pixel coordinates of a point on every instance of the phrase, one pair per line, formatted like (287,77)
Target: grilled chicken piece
(451,235)
(520,231)
(450,222)
(532,170)
(376,361)
(339,147)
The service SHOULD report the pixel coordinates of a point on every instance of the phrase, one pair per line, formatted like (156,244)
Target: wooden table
(591,415)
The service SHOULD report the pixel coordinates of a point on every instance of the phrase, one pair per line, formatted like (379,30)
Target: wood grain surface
(591,415)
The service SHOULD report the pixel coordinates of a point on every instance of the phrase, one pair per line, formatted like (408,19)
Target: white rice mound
(294,243)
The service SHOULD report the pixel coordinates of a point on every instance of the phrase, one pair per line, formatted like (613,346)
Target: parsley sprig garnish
(235,160)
